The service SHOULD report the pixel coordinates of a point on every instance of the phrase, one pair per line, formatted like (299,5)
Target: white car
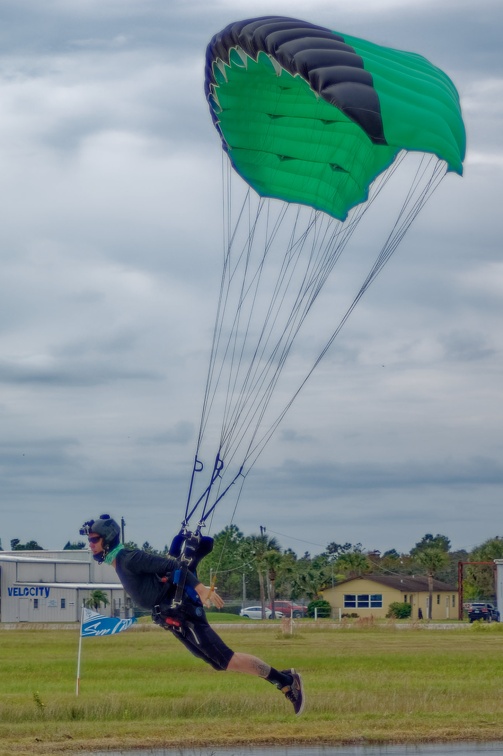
(255,612)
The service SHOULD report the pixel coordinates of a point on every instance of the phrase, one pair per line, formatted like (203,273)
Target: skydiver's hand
(209,596)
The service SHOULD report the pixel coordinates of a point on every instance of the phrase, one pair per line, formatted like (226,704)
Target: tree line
(255,567)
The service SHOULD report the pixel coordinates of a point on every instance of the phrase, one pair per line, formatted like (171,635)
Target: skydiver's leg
(289,681)
(204,643)
(248,664)
(252,665)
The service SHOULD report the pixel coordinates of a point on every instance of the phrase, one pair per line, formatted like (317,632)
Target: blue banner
(96,624)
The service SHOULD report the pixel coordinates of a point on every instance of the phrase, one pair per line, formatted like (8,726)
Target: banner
(96,624)
(93,624)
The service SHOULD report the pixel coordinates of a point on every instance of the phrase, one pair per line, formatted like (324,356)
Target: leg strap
(166,618)
(169,619)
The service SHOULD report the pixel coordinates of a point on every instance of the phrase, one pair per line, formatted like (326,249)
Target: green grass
(142,689)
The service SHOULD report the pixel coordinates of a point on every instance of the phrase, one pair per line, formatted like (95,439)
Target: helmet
(107,528)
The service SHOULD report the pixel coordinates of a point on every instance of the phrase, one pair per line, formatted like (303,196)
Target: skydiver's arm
(141,561)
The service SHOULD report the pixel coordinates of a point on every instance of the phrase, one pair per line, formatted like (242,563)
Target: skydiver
(150,581)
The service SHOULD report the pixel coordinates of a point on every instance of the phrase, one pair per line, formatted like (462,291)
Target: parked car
(255,612)
(483,611)
(289,609)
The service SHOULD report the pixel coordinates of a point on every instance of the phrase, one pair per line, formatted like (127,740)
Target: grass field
(364,684)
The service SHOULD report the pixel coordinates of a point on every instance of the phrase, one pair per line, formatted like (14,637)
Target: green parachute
(313,116)
(323,128)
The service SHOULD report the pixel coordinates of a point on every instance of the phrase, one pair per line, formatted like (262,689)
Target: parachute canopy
(353,138)
(312,116)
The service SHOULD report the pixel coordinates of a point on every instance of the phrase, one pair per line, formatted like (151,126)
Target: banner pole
(77,687)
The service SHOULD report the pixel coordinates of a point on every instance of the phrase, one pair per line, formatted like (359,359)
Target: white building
(51,586)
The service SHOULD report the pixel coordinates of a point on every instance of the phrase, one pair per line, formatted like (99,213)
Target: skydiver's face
(95,543)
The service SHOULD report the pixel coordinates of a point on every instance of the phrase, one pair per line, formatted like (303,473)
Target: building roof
(77,586)
(405,583)
(42,559)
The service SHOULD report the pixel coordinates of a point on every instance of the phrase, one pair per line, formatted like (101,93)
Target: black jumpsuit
(149,580)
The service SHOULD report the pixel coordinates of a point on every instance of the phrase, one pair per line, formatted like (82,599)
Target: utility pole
(123,525)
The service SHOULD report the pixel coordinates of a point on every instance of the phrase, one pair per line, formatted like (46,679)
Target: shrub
(323,607)
(399,610)
(479,626)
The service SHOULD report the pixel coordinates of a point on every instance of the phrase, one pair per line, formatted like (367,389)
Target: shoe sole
(301,686)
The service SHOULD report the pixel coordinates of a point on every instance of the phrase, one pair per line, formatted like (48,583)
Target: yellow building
(371,595)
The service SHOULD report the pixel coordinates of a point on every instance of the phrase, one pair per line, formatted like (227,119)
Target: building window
(35,603)
(363,600)
(454,600)
(438,598)
(63,603)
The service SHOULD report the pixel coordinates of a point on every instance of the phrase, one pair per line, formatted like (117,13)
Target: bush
(323,607)
(479,626)
(399,610)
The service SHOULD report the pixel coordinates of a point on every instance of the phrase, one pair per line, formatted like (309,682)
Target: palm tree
(353,563)
(96,599)
(432,559)
(312,580)
(272,560)
(256,547)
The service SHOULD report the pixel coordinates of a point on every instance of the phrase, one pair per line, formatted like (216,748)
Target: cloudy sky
(110,174)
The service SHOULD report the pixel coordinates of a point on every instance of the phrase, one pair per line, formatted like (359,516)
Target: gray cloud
(181,433)
(110,265)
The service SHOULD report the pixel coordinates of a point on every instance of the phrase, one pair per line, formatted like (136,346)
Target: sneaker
(294,692)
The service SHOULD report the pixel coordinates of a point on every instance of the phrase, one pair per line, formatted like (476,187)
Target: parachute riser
(189,548)
(209,511)
(215,475)
(198,467)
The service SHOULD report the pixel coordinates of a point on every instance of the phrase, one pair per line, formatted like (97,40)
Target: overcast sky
(109,265)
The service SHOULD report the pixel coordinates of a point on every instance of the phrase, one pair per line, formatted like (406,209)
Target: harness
(189,548)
